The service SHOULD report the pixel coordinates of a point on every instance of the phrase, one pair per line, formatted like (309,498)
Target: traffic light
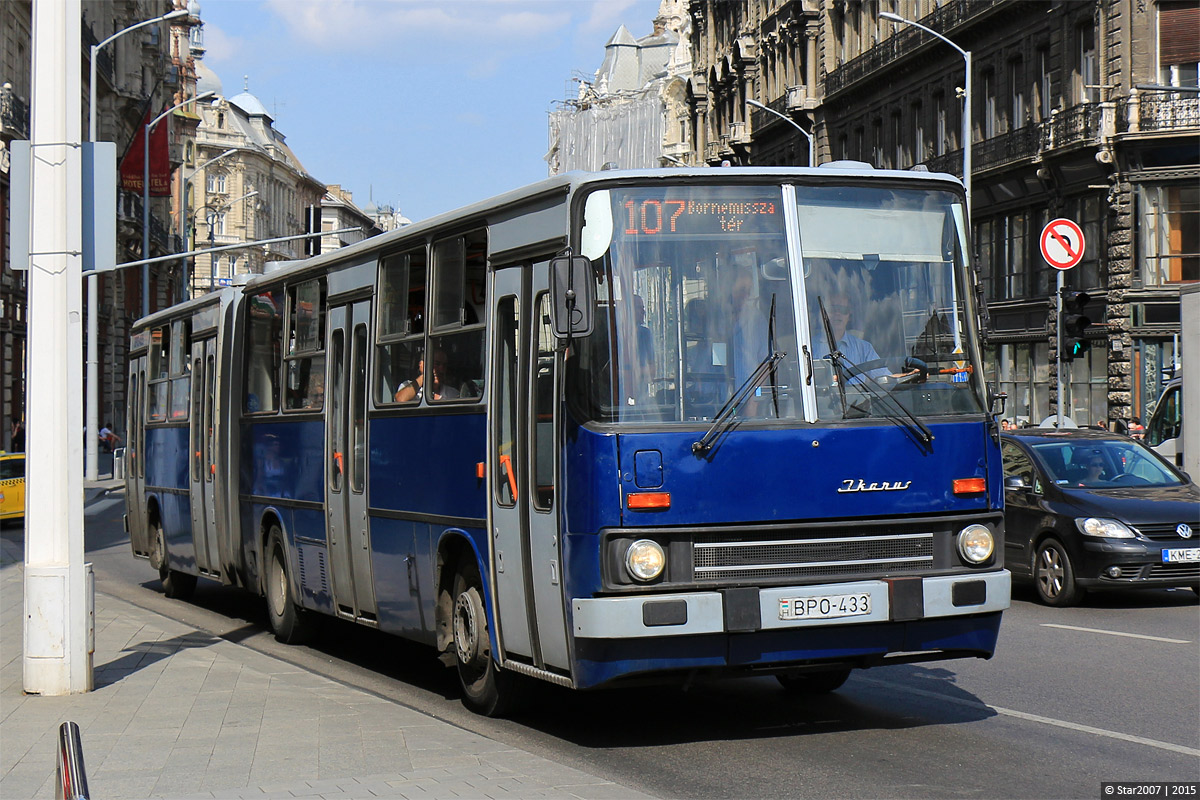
(1074,325)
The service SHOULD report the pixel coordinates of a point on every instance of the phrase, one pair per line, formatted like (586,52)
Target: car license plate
(828,606)
(1183,555)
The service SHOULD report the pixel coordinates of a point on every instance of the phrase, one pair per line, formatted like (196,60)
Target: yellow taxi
(12,486)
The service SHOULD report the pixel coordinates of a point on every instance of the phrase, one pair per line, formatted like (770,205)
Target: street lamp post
(210,220)
(187,217)
(812,157)
(966,117)
(92,417)
(146,194)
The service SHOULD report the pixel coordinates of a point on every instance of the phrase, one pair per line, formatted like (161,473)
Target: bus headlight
(976,544)
(645,560)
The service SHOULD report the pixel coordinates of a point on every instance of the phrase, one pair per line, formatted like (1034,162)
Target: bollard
(72,777)
(118,464)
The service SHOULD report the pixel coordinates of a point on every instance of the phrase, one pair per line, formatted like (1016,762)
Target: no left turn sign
(1062,243)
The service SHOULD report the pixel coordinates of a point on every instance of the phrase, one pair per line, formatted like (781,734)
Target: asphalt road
(1109,691)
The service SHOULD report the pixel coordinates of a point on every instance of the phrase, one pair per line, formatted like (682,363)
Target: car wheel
(1054,575)
(486,688)
(813,682)
(291,624)
(176,585)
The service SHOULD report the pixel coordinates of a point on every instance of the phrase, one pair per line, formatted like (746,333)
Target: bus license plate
(829,606)
(1189,555)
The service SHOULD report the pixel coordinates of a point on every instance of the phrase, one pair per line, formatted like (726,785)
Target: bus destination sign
(665,217)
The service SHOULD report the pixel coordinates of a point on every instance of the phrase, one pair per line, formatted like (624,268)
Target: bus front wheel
(487,689)
(289,622)
(176,585)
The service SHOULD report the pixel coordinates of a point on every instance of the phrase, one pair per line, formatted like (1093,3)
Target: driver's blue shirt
(857,351)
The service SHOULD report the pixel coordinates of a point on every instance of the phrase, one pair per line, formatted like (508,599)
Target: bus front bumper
(745,610)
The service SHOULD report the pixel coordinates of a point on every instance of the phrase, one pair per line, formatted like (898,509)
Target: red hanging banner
(160,160)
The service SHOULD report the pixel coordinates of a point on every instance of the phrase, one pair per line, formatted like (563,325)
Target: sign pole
(1062,247)
(1059,327)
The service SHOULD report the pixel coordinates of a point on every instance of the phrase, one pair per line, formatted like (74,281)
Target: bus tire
(291,624)
(176,585)
(487,689)
(813,682)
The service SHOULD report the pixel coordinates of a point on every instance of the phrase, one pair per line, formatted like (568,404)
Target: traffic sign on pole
(1062,243)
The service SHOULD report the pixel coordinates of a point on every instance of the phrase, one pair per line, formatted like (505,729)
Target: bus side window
(180,369)
(160,363)
(401,323)
(543,407)
(263,347)
(305,371)
(457,332)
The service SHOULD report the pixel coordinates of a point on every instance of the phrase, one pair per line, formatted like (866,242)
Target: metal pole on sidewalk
(55,655)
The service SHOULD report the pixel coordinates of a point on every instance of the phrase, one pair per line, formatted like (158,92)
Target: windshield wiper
(728,411)
(846,368)
(835,355)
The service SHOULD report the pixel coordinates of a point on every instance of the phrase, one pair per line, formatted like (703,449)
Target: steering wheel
(1129,479)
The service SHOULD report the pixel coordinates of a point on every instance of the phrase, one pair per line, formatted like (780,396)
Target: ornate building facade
(633,113)
(1084,110)
(135,72)
(246,185)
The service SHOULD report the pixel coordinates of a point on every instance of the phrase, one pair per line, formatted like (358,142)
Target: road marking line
(1058,723)
(1115,633)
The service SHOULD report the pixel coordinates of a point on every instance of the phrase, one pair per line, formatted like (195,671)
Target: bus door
(135,470)
(346,461)
(527,560)
(202,472)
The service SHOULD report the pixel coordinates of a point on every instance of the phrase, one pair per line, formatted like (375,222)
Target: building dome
(207,80)
(250,104)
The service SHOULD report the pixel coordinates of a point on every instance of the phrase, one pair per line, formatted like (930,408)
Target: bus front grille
(718,560)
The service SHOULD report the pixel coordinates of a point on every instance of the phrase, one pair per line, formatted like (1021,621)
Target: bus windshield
(697,288)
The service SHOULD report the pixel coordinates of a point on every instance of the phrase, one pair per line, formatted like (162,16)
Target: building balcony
(14,115)
(129,220)
(1158,112)
(104,62)
(905,41)
(1074,127)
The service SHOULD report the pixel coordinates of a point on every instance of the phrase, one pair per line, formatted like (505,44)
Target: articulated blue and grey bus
(618,427)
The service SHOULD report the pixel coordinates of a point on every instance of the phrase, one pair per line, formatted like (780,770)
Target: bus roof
(565,184)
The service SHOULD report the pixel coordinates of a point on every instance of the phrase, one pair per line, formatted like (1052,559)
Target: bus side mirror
(572,296)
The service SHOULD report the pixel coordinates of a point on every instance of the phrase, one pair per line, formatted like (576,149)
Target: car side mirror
(1015,482)
(573,296)
(996,402)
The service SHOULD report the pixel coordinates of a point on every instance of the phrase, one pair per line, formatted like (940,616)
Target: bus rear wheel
(813,682)
(176,585)
(290,623)
(486,688)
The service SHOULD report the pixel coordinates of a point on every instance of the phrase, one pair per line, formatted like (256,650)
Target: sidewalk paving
(179,713)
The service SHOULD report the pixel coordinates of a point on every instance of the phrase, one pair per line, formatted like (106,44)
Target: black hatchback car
(1086,508)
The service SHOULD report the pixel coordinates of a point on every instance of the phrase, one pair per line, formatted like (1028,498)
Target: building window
(1022,371)
(988,125)
(940,142)
(1044,103)
(899,156)
(1087,387)
(216,183)
(1016,82)
(1086,72)
(1168,233)
(919,151)
(1153,365)
(1178,44)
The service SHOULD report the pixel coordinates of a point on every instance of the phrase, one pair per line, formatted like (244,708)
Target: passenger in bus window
(438,390)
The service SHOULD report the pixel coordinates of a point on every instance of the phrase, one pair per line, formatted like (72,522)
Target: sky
(424,106)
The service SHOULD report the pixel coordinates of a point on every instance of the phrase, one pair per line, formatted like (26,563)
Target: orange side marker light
(638,501)
(970,486)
